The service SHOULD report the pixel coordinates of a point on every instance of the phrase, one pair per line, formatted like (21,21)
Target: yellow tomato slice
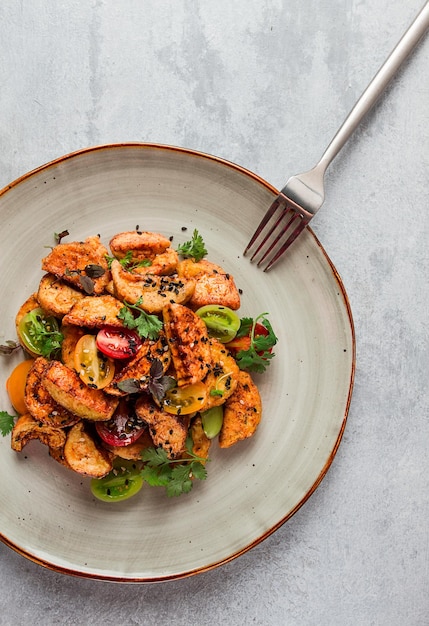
(185,400)
(15,385)
(94,368)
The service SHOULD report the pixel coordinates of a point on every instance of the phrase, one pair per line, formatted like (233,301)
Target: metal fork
(304,194)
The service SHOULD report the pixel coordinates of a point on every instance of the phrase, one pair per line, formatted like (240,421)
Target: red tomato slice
(243,343)
(123,428)
(118,343)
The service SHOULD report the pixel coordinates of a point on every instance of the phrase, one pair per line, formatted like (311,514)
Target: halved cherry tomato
(221,321)
(185,400)
(243,343)
(15,385)
(123,428)
(118,343)
(123,482)
(39,333)
(93,367)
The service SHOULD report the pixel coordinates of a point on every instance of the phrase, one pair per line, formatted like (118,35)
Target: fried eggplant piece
(242,412)
(166,430)
(189,344)
(57,297)
(27,428)
(201,443)
(71,262)
(138,368)
(95,312)
(82,454)
(156,291)
(40,404)
(143,245)
(66,388)
(222,379)
(163,264)
(213,284)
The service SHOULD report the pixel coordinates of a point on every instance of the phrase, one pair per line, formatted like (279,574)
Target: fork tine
(285,227)
(289,241)
(268,215)
(284,215)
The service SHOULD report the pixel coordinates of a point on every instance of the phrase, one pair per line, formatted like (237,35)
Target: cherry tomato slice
(222,323)
(118,343)
(123,482)
(93,367)
(15,386)
(39,333)
(123,428)
(212,421)
(185,400)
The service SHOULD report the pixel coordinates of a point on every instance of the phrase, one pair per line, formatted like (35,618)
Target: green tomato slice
(39,333)
(123,482)
(212,421)
(222,322)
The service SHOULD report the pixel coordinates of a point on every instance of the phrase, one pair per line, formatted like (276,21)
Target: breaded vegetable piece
(67,389)
(70,260)
(213,284)
(166,430)
(40,404)
(163,264)
(82,454)
(143,245)
(27,428)
(95,312)
(189,343)
(242,412)
(139,366)
(57,297)
(156,291)
(201,443)
(222,379)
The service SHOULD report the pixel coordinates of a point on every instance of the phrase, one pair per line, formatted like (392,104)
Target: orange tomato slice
(94,368)
(15,385)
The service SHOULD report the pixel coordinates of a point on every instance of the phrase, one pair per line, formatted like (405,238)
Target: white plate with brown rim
(47,513)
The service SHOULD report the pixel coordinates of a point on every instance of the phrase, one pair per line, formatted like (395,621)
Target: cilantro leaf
(174,474)
(195,248)
(127,261)
(258,356)
(6,422)
(148,326)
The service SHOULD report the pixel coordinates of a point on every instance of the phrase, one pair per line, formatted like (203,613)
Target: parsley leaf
(258,356)
(147,326)
(194,248)
(174,474)
(6,422)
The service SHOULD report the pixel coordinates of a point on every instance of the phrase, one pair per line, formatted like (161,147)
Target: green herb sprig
(195,248)
(175,475)
(7,422)
(258,356)
(147,326)
(127,261)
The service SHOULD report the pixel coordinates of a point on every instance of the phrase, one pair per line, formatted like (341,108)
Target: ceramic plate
(47,513)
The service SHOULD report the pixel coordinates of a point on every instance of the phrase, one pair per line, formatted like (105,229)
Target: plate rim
(202,569)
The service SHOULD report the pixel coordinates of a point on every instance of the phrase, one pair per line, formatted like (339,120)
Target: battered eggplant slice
(71,335)
(27,428)
(82,454)
(142,245)
(242,412)
(166,430)
(138,368)
(156,291)
(57,297)
(95,312)
(222,379)
(80,264)
(40,404)
(66,388)
(213,285)
(189,343)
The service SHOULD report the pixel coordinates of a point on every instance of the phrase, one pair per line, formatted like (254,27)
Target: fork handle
(378,84)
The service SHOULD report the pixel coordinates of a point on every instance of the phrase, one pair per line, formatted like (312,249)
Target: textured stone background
(263,83)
